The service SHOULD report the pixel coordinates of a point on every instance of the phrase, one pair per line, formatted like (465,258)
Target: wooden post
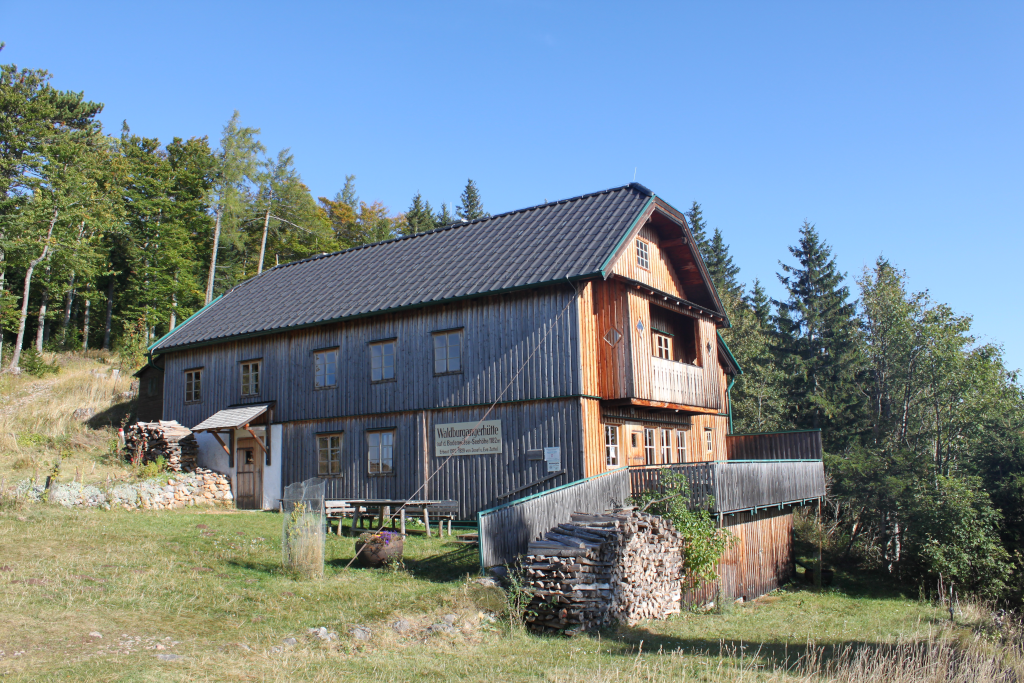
(426,519)
(401,514)
(386,514)
(817,577)
(449,526)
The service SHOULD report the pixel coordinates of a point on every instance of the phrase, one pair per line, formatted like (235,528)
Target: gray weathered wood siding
(499,334)
(476,481)
(506,531)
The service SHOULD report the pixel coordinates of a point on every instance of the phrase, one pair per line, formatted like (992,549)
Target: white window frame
(650,449)
(444,362)
(380,352)
(253,368)
(378,443)
(643,254)
(611,445)
(662,346)
(666,446)
(680,445)
(709,439)
(325,368)
(328,450)
(194,385)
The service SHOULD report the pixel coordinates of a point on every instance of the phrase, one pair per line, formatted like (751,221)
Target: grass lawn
(209,586)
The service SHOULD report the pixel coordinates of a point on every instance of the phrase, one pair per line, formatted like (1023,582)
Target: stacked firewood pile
(624,565)
(174,442)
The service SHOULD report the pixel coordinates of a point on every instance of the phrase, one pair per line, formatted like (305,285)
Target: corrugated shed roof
(231,418)
(529,247)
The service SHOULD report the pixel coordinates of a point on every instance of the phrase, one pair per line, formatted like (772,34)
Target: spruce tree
(443,217)
(699,229)
(818,344)
(722,269)
(759,303)
(419,217)
(472,207)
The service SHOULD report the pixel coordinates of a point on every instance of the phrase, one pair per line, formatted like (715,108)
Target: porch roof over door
(231,418)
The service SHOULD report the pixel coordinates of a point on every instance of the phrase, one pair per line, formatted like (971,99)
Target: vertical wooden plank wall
(499,333)
(611,310)
(594,458)
(662,273)
(761,560)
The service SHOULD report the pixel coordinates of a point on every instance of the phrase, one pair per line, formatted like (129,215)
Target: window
(328,449)
(382,446)
(649,451)
(326,364)
(250,378)
(611,445)
(382,361)
(643,255)
(193,386)
(709,439)
(447,352)
(662,346)
(151,386)
(666,446)
(632,439)
(680,445)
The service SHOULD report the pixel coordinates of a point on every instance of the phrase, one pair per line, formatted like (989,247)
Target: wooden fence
(738,485)
(802,445)
(506,531)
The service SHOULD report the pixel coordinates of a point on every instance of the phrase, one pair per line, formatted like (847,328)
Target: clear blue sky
(896,128)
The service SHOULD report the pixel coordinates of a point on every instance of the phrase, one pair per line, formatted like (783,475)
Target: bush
(704,543)
(32,363)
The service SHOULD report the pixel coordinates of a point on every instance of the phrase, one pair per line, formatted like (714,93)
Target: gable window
(680,445)
(709,440)
(328,448)
(662,346)
(151,386)
(611,445)
(381,451)
(650,452)
(643,255)
(666,446)
(447,352)
(193,386)
(382,361)
(251,377)
(326,368)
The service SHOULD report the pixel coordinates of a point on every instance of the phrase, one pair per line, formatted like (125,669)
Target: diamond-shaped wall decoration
(640,325)
(612,337)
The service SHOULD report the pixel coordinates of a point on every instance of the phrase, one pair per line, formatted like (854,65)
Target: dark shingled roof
(525,248)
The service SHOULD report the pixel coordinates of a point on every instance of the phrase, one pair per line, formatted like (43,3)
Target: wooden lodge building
(582,332)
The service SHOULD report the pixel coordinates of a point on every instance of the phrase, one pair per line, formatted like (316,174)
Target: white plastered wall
(272,473)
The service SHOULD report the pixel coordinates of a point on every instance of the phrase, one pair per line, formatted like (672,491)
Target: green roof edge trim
(625,235)
(186,321)
(729,351)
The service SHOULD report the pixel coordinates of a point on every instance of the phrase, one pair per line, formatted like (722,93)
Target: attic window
(643,255)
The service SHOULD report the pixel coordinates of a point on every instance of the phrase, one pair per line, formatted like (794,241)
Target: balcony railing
(681,383)
(789,470)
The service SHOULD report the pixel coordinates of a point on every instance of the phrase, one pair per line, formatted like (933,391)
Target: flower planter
(378,554)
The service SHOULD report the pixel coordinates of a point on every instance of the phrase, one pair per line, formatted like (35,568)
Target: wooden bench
(359,510)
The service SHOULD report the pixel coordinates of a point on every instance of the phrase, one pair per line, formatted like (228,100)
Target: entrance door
(635,444)
(248,475)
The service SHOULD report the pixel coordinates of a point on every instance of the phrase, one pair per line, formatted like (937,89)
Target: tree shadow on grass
(112,416)
(446,566)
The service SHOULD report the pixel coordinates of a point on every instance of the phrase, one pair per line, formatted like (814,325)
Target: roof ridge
(458,224)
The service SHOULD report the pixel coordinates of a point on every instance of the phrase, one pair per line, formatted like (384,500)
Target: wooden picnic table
(360,508)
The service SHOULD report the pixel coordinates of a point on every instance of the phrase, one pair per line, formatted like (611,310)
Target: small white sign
(553,458)
(467,438)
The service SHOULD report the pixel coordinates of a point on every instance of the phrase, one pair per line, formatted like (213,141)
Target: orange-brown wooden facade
(618,317)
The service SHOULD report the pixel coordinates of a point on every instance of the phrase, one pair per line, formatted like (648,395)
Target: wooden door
(635,444)
(248,475)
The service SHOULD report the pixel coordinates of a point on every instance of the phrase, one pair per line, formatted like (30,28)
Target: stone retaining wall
(202,487)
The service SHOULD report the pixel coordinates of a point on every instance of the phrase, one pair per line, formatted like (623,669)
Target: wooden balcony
(682,384)
(775,469)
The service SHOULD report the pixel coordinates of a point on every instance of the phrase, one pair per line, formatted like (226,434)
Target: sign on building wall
(467,438)
(553,458)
